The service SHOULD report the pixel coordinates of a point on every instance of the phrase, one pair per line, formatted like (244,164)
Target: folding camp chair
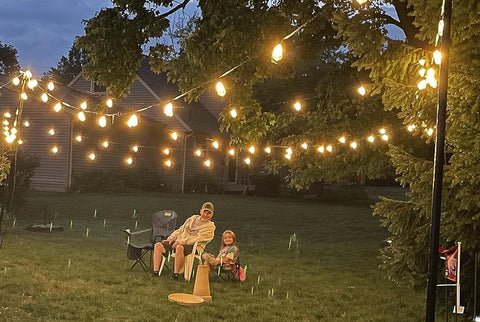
(163,224)
(231,272)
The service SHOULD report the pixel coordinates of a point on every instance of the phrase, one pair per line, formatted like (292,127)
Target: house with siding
(69,150)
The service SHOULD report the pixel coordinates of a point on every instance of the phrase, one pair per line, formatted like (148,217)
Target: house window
(96,88)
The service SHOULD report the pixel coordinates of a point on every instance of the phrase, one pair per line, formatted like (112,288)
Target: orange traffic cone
(202,283)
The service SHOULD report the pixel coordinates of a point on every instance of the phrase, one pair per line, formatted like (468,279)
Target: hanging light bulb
(105,144)
(168,163)
(44,97)
(422,84)
(24,96)
(321,149)
(51,131)
(54,149)
(277,53)
(304,145)
(268,150)
(411,127)
(81,116)
(233,113)
(297,106)
(221,91)
(385,137)
(92,156)
(28,74)
(247,160)
(174,136)
(207,163)
(50,86)
(32,83)
(16,81)
(288,156)
(329,148)
(132,121)
(342,139)
(129,160)
(109,103)
(215,144)
(168,109)
(231,152)
(289,150)
(382,131)
(83,105)
(362,91)
(353,145)
(58,107)
(371,139)
(198,152)
(134,148)
(78,138)
(166,151)
(421,62)
(251,149)
(102,121)
(26,123)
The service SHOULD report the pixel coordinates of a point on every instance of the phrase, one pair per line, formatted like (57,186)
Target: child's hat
(208,206)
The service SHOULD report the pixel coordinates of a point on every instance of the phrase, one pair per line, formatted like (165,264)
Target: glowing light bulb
(422,84)
(422,72)
(251,149)
(7,114)
(411,127)
(353,145)
(174,136)
(207,163)
(429,131)
(233,113)
(277,53)
(289,151)
(83,105)
(385,137)
(51,131)
(81,116)
(441,24)
(247,161)
(105,144)
(166,151)
(92,156)
(168,163)
(321,149)
(297,106)
(135,148)
(430,73)
(371,139)
(198,152)
(32,83)
(362,91)
(168,109)
(102,121)
(304,145)
(129,160)
(421,62)
(268,150)
(231,152)
(382,131)
(288,156)
(26,123)
(360,2)
(329,148)
(28,74)
(132,121)
(78,138)
(54,149)
(50,86)
(221,91)
(16,81)
(342,139)
(20,141)
(44,97)
(58,107)
(24,96)
(215,144)
(109,103)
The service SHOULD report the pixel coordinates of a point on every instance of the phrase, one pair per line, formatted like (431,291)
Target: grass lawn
(331,276)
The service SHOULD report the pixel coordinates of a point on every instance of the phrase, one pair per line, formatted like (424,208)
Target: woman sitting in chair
(197,228)
(228,253)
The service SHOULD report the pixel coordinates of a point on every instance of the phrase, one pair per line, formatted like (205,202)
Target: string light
(207,163)
(342,139)
(50,86)
(83,105)
(174,136)
(26,123)
(168,163)
(166,151)
(268,150)
(24,96)
(132,121)
(304,145)
(198,152)
(221,91)
(233,113)
(78,138)
(168,109)
(251,149)
(32,83)
(16,81)
(58,107)
(247,160)
(51,131)
(297,106)
(134,148)
(81,116)
(231,152)
(54,149)
(44,97)
(362,91)
(353,145)
(371,139)
(277,53)
(109,103)
(129,160)
(105,144)
(215,144)
(92,156)
(102,121)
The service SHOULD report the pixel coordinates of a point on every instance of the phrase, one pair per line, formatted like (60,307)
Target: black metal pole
(438,163)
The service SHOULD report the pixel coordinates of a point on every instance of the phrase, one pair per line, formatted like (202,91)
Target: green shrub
(204,184)
(118,180)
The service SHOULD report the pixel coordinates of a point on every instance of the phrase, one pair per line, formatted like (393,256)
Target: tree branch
(174,9)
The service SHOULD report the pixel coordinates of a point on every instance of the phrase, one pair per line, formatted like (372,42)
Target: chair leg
(162,264)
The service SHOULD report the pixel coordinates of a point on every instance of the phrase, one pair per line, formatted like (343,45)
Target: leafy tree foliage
(68,68)
(341,35)
(8,60)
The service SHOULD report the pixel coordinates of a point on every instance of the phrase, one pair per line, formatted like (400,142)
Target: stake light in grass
(251,292)
(134,213)
(69,263)
(258,280)
(51,226)
(14,222)
(87,233)
(95,213)
(104,223)
(136,224)
(71,224)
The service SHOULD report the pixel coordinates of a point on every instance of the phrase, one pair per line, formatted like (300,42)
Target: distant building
(69,150)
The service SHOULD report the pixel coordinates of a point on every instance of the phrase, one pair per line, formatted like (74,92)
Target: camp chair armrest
(128,232)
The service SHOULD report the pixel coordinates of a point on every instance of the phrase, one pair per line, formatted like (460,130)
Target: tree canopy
(335,46)
(68,67)
(8,59)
